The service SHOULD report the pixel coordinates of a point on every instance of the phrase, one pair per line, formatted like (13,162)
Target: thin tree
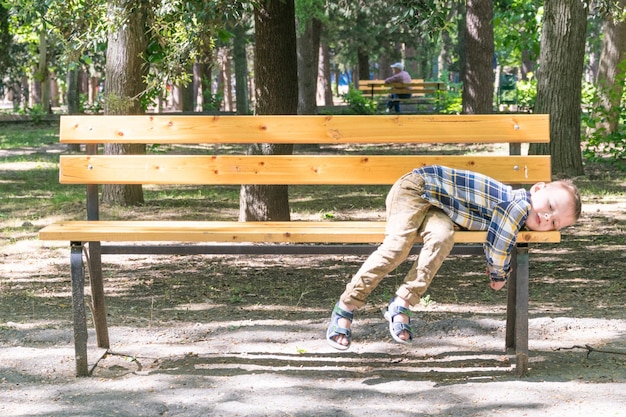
(124,84)
(559,83)
(308,42)
(478,75)
(276,78)
(611,73)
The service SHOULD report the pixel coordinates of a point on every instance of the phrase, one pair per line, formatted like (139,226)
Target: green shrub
(600,143)
(358,104)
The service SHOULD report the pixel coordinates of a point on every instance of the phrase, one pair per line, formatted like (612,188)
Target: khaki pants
(407,215)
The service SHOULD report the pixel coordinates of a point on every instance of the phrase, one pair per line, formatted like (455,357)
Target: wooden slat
(415,87)
(385,91)
(286,169)
(179,129)
(416,82)
(241,232)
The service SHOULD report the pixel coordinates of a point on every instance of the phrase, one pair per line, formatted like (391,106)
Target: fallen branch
(592,349)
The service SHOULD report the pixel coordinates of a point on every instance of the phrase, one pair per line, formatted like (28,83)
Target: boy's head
(553,205)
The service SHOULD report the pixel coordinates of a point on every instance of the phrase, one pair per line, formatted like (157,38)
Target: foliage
(96,107)
(517,25)
(310,9)
(211,102)
(449,101)
(527,92)
(428,16)
(601,143)
(185,32)
(358,103)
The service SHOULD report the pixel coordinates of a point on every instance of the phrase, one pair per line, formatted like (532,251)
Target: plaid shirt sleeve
(507,220)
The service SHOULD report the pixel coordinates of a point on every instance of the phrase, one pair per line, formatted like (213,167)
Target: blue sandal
(395,329)
(335,330)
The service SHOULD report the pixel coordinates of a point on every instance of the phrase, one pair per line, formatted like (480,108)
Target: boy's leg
(406,211)
(437,232)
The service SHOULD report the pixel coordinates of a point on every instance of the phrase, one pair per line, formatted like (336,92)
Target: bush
(601,143)
(358,104)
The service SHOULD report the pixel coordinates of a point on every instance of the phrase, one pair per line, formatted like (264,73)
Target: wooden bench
(96,237)
(423,93)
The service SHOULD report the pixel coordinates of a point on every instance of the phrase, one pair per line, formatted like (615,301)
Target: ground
(244,336)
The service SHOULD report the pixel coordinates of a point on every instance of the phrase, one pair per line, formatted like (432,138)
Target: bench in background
(423,93)
(97,237)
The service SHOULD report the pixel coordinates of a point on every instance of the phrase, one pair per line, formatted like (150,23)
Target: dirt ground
(244,336)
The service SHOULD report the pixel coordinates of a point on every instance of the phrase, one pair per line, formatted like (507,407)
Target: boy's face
(551,207)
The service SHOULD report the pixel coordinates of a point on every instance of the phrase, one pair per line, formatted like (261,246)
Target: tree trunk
(125,70)
(479,78)
(324,85)
(187,97)
(43,73)
(363,70)
(73,103)
(610,77)
(276,73)
(308,66)
(241,69)
(559,83)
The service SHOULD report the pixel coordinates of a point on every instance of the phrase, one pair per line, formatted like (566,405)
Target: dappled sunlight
(206,325)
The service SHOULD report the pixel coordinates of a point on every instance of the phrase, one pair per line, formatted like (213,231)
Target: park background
(194,336)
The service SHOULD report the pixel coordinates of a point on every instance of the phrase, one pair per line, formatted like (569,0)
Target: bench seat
(251,232)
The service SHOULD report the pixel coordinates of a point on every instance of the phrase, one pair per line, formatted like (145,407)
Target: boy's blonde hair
(574,193)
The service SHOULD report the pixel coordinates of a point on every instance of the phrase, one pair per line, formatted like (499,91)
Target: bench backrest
(415,87)
(217,167)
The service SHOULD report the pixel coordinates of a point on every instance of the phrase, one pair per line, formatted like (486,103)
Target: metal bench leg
(521,311)
(78,308)
(511,303)
(97,294)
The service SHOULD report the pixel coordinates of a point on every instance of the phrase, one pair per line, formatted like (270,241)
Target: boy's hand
(497,285)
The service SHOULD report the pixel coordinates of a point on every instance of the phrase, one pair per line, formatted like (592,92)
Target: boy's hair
(575,194)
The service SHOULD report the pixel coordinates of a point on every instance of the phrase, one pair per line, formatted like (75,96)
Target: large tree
(478,75)
(124,86)
(276,81)
(559,79)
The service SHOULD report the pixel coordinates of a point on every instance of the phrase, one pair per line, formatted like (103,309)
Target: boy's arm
(506,221)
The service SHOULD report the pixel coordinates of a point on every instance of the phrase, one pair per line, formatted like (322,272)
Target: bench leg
(97,294)
(78,308)
(510,306)
(521,310)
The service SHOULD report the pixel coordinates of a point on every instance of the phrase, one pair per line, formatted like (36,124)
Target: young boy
(431,201)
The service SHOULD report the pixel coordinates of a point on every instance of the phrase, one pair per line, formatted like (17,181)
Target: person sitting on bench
(399,76)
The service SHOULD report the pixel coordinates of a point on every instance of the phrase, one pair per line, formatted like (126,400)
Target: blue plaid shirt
(477,202)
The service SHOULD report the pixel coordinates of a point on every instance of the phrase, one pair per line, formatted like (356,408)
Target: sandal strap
(396,309)
(400,327)
(348,315)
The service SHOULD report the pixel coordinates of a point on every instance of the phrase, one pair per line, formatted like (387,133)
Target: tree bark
(478,82)
(610,77)
(559,79)
(363,70)
(324,85)
(241,69)
(308,66)
(43,73)
(73,103)
(276,73)
(125,70)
